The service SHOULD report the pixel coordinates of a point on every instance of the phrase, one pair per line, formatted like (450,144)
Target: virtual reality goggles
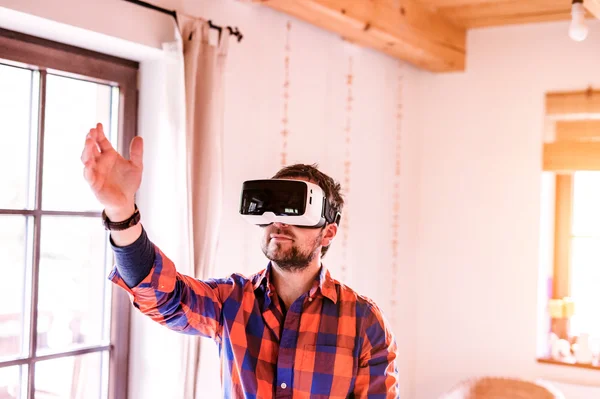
(292,202)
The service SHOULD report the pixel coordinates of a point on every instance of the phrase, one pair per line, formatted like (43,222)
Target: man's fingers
(101,139)
(92,134)
(94,177)
(90,175)
(90,151)
(136,151)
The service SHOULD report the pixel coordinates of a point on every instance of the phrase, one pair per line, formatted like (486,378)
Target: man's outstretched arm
(156,289)
(179,302)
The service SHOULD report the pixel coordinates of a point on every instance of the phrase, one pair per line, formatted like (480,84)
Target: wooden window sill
(594,366)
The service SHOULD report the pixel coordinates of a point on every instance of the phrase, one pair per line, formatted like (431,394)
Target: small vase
(583,350)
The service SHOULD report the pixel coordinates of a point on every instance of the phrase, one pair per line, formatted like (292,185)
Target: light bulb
(578,30)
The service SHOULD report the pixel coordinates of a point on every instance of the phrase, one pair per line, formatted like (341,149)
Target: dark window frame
(46,55)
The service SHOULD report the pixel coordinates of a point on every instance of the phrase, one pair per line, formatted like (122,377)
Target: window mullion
(562,250)
(37,234)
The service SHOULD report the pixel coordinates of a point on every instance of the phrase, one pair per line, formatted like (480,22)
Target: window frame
(563,221)
(561,284)
(571,144)
(562,265)
(45,55)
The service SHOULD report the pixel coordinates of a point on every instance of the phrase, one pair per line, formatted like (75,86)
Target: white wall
(479,221)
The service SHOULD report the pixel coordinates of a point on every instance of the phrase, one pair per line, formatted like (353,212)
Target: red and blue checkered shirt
(331,342)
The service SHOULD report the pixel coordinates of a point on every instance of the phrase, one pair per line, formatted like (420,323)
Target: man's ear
(329,235)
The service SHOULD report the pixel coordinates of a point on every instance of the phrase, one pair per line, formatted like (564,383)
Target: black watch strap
(123,225)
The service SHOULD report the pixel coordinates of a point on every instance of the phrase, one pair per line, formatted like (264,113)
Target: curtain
(204,101)
(155,371)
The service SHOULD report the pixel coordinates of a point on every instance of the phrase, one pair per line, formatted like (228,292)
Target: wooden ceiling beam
(483,13)
(476,14)
(408,31)
(593,7)
(585,103)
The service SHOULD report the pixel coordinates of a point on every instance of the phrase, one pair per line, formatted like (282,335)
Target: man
(290,331)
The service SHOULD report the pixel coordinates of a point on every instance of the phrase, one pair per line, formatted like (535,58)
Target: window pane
(585,283)
(72,108)
(73,377)
(13,252)
(586,204)
(10,382)
(15,118)
(72,282)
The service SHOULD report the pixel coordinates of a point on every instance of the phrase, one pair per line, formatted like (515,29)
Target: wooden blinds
(576,141)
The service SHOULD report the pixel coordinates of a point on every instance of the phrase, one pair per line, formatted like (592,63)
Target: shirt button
(283,385)
(309,299)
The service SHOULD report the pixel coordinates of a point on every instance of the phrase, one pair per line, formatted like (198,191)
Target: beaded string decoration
(286,95)
(396,193)
(347,165)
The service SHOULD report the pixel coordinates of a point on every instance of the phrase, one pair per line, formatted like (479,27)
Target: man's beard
(292,259)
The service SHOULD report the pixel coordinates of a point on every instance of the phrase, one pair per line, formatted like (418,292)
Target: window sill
(594,366)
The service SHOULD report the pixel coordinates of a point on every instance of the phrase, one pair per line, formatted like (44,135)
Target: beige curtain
(204,92)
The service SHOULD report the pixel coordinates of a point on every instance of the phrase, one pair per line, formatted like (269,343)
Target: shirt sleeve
(377,376)
(134,261)
(179,302)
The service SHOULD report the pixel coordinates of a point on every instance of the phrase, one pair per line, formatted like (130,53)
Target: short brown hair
(330,187)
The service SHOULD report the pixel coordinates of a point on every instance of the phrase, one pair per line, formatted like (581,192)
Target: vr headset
(292,202)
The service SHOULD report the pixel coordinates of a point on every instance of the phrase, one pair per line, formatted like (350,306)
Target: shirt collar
(324,284)
(262,280)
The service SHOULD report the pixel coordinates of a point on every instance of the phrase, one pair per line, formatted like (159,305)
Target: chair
(502,388)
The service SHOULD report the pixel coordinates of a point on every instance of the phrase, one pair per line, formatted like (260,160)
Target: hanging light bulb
(578,30)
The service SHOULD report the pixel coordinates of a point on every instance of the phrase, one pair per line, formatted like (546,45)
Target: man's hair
(330,187)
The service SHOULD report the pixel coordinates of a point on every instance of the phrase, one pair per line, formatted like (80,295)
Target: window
(584,267)
(63,327)
(572,160)
(577,251)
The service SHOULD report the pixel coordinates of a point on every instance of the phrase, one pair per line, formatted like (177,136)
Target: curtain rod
(232,31)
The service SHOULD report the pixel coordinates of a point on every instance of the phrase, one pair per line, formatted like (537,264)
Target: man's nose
(279,225)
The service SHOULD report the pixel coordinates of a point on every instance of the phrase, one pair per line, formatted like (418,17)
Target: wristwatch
(123,225)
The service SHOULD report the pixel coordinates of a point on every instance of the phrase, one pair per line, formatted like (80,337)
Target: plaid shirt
(331,343)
